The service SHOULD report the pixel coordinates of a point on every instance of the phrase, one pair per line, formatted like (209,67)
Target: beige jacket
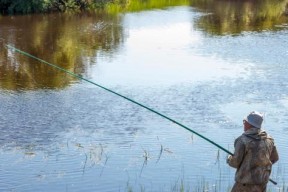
(254,155)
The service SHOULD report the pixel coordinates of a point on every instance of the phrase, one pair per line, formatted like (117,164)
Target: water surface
(196,64)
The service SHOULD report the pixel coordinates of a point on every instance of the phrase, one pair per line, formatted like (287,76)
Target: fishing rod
(131,100)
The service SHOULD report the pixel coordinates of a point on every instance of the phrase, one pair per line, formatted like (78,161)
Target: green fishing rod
(131,100)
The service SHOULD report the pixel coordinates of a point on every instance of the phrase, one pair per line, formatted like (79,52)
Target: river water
(205,65)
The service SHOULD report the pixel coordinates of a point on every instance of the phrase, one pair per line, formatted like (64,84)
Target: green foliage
(33,6)
(140,5)
(96,4)
(64,5)
(21,6)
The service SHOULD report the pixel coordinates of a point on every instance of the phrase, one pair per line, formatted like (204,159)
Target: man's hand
(228,158)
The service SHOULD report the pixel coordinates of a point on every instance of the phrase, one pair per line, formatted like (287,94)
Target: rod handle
(274,182)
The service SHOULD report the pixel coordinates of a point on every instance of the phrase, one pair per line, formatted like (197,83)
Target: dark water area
(206,65)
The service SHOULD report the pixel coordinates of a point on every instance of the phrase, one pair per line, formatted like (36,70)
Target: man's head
(254,119)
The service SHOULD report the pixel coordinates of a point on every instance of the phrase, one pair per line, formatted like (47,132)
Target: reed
(160,154)
(146,157)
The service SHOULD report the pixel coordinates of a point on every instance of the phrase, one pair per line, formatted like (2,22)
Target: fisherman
(254,155)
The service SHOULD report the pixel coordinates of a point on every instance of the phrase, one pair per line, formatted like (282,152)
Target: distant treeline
(36,6)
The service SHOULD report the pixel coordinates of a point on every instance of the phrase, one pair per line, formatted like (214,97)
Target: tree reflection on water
(234,17)
(68,40)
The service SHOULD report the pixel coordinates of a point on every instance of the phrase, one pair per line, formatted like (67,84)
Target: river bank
(10,7)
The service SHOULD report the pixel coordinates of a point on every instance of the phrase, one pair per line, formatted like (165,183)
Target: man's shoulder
(240,139)
(243,139)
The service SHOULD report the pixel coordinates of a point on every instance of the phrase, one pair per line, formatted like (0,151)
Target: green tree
(33,6)
(20,6)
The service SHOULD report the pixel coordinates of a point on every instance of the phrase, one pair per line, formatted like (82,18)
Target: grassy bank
(42,6)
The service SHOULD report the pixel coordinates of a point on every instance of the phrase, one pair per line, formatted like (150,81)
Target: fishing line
(131,100)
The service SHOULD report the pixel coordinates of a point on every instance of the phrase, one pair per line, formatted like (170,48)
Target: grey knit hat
(255,119)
